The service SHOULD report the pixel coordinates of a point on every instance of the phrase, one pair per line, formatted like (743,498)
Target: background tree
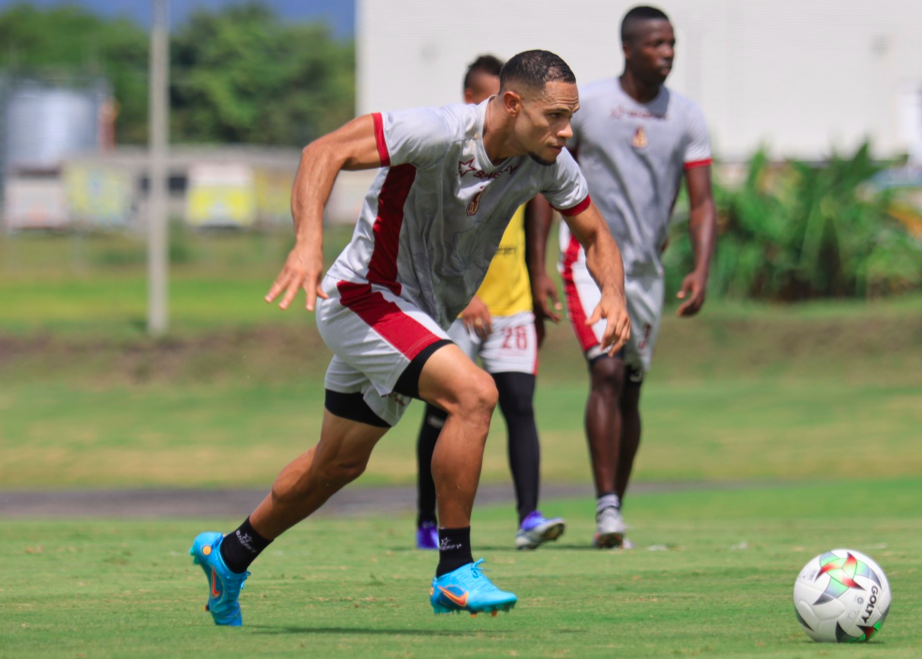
(238,74)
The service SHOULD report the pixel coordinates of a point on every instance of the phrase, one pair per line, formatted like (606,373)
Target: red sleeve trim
(576,210)
(383,153)
(699,163)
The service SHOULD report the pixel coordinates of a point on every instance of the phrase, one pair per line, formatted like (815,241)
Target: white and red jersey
(634,155)
(435,214)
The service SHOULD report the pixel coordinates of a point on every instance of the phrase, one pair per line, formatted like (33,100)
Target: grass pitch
(712,577)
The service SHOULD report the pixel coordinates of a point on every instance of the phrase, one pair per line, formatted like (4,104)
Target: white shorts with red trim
(644,306)
(512,346)
(374,335)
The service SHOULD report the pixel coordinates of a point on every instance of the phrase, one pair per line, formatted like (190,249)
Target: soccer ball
(841,596)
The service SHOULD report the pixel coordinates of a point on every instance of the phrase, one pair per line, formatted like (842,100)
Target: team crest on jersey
(640,138)
(474,206)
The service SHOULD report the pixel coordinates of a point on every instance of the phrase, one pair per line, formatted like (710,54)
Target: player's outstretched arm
(603,258)
(702,227)
(351,147)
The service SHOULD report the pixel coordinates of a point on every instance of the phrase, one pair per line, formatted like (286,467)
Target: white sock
(607,501)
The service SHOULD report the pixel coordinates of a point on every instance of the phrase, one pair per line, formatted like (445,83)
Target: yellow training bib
(506,290)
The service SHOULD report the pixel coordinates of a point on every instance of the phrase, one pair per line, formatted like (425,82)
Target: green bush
(796,231)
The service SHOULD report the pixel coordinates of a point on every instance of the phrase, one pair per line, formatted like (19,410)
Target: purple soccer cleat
(427,536)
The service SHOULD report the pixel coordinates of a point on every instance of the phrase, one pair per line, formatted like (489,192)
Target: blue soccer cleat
(537,529)
(224,586)
(467,589)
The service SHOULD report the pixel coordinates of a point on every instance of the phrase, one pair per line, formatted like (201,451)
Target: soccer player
(634,139)
(449,180)
(499,326)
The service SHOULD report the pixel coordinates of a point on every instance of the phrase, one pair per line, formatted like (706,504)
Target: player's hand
(692,291)
(544,291)
(612,307)
(476,318)
(303,269)
(540,330)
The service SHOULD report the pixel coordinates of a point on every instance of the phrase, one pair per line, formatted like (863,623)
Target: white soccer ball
(841,596)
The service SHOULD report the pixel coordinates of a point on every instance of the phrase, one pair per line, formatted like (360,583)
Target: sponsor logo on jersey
(474,206)
(640,138)
(620,112)
(467,166)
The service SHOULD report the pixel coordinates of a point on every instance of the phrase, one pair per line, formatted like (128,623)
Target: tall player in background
(634,139)
(498,326)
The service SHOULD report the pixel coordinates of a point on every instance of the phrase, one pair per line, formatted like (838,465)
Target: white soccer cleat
(536,529)
(610,529)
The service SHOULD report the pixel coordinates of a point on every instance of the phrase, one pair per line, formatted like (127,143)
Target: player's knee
(476,398)
(608,377)
(517,406)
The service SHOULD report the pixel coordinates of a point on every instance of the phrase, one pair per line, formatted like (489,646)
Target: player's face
(545,126)
(651,53)
(483,86)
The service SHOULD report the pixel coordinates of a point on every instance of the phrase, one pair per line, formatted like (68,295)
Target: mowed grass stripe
(241,434)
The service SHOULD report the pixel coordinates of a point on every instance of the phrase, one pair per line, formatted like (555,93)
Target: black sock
(433,420)
(516,391)
(454,550)
(240,548)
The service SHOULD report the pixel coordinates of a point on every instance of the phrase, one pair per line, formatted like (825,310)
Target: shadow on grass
(364,631)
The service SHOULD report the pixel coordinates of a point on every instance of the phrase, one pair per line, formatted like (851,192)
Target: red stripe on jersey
(584,333)
(576,210)
(386,318)
(383,153)
(382,267)
(699,163)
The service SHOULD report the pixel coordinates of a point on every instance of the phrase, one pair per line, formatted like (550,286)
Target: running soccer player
(499,326)
(634,139)
(449,180)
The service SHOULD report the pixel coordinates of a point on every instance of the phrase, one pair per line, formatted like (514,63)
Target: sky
(338,13)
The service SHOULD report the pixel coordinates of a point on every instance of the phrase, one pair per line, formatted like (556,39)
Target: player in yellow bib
(499,327)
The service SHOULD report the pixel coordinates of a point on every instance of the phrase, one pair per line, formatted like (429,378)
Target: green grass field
(815,408)
(719,586)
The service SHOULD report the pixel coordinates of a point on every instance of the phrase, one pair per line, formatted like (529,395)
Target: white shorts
(374,335)
(512,346)
(644,306)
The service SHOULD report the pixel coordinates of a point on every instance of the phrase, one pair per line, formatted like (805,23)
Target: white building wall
(801,76)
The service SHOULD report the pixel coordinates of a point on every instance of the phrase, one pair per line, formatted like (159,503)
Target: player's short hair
(535,68)
(636,16)
(484,64)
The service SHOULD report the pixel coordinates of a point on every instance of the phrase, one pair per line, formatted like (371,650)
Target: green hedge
(795,231)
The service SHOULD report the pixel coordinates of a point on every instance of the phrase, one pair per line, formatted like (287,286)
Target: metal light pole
(158,213)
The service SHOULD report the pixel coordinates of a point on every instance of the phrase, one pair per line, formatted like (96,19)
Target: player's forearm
(311,190)
(603,257)
(538,216)
(702,228)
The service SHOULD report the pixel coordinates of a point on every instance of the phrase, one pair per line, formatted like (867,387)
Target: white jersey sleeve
(698,145)
(419,137)
(565,187)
